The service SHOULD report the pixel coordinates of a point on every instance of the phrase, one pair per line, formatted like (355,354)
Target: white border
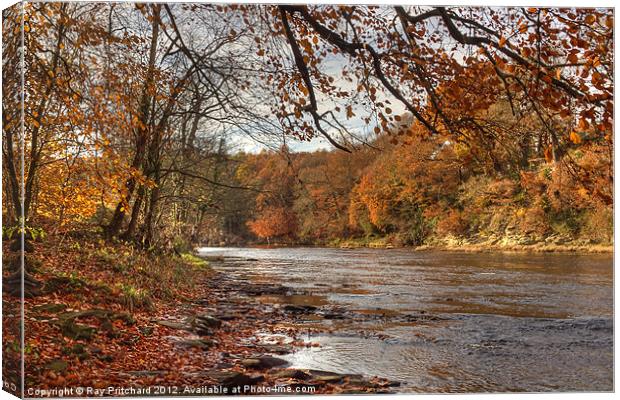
(563,3)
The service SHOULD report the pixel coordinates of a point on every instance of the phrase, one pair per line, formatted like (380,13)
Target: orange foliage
(273,223)
(404,181)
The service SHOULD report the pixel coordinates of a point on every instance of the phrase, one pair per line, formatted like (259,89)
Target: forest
(125,140)
(425,190)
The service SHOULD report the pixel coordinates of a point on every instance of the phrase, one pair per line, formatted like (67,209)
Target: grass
(120,273)
(194,261)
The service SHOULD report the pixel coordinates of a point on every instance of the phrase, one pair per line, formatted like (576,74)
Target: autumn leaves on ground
(103,315)
(457,127)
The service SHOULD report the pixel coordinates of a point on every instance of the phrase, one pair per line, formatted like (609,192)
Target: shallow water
(505,322)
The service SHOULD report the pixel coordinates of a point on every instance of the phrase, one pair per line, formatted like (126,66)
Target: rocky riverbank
(116,318)
(505,243)
(249,336)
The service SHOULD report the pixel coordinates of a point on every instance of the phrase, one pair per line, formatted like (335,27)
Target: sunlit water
(507,322)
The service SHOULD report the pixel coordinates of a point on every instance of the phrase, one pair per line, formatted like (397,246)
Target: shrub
(533,221)
(598,225)
(133,298)
(452,224)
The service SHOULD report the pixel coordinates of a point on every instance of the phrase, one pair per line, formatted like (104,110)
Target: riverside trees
(125,109)
(128,108)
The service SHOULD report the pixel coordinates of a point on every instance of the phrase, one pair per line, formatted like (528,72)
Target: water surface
(497,321)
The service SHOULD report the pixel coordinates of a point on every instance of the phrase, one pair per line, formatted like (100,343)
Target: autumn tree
(548,63)
(276,175)
(52,34)
(406,182)
(12,136)
(130,128)
(326,181)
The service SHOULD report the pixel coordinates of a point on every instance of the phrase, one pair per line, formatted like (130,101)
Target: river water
(447,321)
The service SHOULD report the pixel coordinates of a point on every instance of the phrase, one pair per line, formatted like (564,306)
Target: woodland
(446,126)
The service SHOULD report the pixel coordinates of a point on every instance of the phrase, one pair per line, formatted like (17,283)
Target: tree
(130,127)
(276,176)
(396,190)
(548,62)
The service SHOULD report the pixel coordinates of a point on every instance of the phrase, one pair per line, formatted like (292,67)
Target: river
(447,321)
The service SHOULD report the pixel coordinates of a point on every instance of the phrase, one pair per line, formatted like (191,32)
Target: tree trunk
(135,212)
(142,131)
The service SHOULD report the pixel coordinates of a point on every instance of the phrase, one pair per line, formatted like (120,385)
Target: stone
(198,343)
(227,317)
(62,284)
(276,348)
(331,378)
(333,316)
(174,325)
(50,308)
(203,324)
(76,331)
(147,373)
(292,374)
(105,357)
(328,377)
(77,350)
(207,320)
(73,330)
(299,309)
(202,331)
(100,314)
(264,362)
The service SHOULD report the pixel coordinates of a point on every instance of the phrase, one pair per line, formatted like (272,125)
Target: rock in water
(292,374)
(264,362)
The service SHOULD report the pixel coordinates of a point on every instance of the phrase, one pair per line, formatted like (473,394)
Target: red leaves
(274,222)
(572,58)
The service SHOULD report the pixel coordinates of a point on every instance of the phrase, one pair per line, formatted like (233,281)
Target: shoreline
(195,316)
(448,246)
(209,324)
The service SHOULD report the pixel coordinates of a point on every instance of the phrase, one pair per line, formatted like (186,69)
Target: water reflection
(509,322)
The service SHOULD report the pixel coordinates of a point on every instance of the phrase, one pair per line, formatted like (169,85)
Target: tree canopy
(129,109)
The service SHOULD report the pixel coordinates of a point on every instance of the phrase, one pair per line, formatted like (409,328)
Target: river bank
(552,244)
(519,244)
(106,315)
(320,320)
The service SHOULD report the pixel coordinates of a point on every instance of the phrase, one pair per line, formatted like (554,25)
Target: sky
(333,66)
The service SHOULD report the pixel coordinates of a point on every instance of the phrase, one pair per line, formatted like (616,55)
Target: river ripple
(506,322)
